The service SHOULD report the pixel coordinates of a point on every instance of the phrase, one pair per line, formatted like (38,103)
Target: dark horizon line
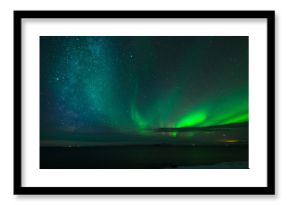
(211,128)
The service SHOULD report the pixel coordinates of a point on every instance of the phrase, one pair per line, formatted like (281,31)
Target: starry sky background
(129,84)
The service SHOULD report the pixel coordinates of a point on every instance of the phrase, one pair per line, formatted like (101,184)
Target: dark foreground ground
(144,157)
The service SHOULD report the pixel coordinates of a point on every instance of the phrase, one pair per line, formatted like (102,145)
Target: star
(191,81)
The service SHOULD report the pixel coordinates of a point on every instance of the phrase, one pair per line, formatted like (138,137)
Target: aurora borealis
(132,84)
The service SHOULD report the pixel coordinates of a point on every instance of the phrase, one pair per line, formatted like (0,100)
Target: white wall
(282,93)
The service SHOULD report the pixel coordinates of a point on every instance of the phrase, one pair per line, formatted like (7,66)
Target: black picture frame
(269,189)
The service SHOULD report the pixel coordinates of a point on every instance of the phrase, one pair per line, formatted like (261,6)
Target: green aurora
(232,110)
(125,84)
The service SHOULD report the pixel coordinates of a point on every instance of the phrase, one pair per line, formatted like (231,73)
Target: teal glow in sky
(125,84)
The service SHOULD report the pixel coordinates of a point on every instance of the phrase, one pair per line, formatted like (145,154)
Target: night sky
(96,85)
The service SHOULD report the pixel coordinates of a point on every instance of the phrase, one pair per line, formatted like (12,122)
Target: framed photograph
(144,102)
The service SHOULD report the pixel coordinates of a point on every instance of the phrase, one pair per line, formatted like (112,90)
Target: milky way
(125,84)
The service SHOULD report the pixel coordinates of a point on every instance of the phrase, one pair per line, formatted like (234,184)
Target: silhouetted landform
(208,128)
